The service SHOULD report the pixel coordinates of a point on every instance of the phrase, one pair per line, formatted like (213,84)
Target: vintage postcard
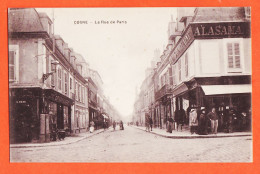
(131,84)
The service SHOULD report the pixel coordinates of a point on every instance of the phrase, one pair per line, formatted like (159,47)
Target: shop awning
(226,89)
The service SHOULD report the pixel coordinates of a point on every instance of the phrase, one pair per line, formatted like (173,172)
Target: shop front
(231,96)
(36,113)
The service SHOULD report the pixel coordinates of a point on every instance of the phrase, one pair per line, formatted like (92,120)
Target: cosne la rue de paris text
(100,22)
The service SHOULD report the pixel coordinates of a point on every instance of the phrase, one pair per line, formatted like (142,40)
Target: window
(233,51)
(83,93)
(71,84)
(79,88)
(66,82)
(170,76)
(248,12)
(186,65)
(12,65)
(76,88)
(173,75)
(59,79)
(179,69)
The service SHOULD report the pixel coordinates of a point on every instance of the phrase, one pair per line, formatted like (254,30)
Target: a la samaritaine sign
(209,31)
(221,30)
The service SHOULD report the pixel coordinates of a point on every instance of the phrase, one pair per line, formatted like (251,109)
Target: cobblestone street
(133,145)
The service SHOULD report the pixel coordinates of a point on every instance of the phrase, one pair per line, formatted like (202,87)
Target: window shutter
(12,65)
(170,76)
(179,68)
(186,65)
(230,55)
(174,74)
(237,55)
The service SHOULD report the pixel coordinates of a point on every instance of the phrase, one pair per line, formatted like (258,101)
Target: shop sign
(182,45)
(20,101)
(221,30)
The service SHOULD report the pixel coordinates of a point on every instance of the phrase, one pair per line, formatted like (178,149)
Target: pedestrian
(213,116)
(92,124)
(151,123)
(147,122)
(231,116)
(193,120)
(121,125)
(203,123)
(170,126)
(114,125)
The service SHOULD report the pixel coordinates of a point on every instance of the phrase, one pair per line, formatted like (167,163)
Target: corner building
(207,63)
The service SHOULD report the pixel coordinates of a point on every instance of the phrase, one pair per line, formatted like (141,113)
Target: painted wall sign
(221,30)
(209,31)
(182,45)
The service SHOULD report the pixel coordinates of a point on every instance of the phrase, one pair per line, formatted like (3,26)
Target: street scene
(134,145)
(130,84)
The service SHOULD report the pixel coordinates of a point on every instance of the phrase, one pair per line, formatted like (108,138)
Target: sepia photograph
(139,85)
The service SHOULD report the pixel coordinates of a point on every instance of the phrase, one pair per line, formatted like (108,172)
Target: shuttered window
(179,69)
(59,79)
(186,65)
(170,76)
(66,82)
(76,93)
(12,65)
(233,50)
(173,75)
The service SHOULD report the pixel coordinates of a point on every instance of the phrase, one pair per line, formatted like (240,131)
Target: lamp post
(53,70)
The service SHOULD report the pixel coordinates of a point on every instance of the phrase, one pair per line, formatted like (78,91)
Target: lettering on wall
(221,30)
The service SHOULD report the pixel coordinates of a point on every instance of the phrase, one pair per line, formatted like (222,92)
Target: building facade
(206,64)
(50,88)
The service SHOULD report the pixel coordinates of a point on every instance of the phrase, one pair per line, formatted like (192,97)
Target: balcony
(165,90)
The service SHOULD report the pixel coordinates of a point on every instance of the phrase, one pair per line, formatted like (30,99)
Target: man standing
(151,123)
(214,120)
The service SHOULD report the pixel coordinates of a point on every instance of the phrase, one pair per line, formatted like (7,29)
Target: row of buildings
(51,87)
(206,63)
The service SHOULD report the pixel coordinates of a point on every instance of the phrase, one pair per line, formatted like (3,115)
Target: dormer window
(248,12)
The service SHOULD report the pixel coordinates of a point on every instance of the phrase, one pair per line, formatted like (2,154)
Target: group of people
(121,125)
(226,122)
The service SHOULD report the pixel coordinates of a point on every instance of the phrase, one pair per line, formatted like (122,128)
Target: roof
(219,14)
(24,20)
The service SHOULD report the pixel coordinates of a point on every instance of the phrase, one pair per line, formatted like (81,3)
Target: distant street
(133,145)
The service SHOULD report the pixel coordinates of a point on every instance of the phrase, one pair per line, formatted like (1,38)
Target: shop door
(60,117)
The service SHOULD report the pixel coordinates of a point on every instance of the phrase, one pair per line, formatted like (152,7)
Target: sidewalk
(185,134)
(67,140)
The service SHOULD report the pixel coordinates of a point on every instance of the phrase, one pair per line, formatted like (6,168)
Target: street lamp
(53,70)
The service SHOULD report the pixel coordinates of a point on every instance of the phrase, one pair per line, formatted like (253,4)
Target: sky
(119,51)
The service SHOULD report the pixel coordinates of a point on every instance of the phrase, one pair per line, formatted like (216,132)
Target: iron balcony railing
(165,90)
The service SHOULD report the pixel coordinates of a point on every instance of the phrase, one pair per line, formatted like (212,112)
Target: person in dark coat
(203,123)
(151,123)
(170,127)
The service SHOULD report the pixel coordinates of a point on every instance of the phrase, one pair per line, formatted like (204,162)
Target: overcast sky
(119,52)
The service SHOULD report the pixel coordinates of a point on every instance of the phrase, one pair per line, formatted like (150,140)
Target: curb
(195,136)
(58,144)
